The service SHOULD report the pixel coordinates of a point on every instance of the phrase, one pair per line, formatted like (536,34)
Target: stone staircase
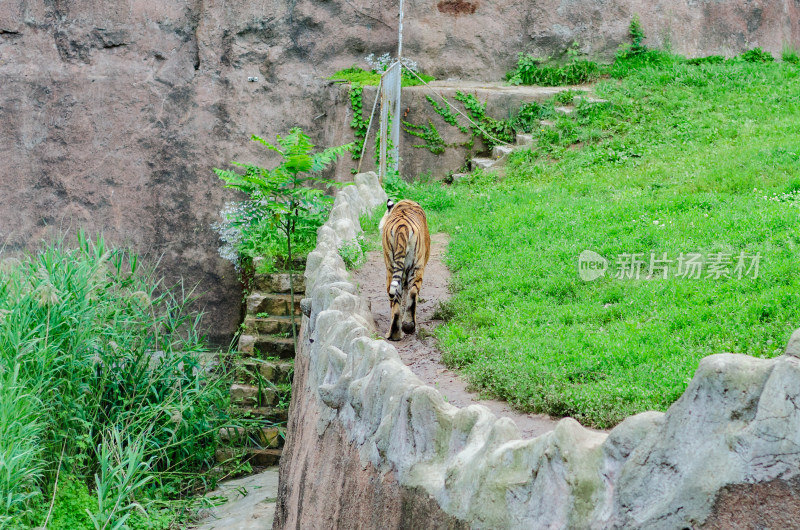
(500,152)
(499,155)
(263,369)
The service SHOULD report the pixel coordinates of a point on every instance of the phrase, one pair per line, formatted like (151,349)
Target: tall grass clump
(21,428)
(100,381)
(789,55)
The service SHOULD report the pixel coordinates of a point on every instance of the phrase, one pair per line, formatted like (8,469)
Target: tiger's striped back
(406,249)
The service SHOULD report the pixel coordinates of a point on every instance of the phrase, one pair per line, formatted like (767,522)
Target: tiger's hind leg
(395,291)
(410,316)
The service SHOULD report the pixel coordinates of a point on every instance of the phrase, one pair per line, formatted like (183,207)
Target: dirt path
(421,355)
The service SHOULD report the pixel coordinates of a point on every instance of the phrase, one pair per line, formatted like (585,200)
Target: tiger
(406,249)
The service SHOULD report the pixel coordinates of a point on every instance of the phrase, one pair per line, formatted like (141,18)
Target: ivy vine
(433,140)
(358,123)
(492,132)
(447,115)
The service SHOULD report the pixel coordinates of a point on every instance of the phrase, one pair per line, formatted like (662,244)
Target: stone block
(279,283)
(244,395)
(269,325)
(272,304)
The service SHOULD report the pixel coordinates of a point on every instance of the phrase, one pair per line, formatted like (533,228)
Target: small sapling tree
(288,197)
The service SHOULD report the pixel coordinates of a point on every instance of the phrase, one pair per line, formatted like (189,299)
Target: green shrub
(757,55)
(528,117)
(394,186)
(285,206)
(354,252)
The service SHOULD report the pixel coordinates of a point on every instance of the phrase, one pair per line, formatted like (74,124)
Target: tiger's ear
(389,204)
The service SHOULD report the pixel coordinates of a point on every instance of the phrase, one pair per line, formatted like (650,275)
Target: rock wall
(367,438)
(112,114)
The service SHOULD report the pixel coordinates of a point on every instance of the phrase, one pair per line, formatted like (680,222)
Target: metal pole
(400,34)
(396,114)
(383,136)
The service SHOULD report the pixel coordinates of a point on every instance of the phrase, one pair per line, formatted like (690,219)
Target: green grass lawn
(682,159)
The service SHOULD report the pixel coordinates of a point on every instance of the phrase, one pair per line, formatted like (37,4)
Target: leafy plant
(447,115)
(123,473)
(394,185)
(528,117)
(636,47)
(566,97)
(757,55)
(283,197)
(637,36)
(354,252)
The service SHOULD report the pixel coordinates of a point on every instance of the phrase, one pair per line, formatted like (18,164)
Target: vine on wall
(491,131)
(358,123)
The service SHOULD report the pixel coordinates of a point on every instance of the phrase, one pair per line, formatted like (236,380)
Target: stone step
(271,414)
(500,152)
(483,163)
(279,283)
(256,457)
(547,123)
(269,325)
(524,139)
(277,372)
(263,346)
(263,437)
(564,110)
(272,304)
(251,396)
(589,99)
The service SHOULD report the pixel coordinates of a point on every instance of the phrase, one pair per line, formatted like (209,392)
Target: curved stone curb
(737,423)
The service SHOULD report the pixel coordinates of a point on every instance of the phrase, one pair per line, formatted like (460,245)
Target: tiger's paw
(394,336)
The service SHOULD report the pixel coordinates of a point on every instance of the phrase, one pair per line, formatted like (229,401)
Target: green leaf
(298,163)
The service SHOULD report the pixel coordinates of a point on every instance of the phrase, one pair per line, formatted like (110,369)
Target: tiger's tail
(398,263)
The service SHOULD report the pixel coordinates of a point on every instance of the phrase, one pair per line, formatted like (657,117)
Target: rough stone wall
(366,431)
(324,483)
(112,114)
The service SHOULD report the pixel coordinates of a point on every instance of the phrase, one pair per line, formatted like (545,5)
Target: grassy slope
(670,165)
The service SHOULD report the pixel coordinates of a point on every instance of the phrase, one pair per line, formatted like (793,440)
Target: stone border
(738,423)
